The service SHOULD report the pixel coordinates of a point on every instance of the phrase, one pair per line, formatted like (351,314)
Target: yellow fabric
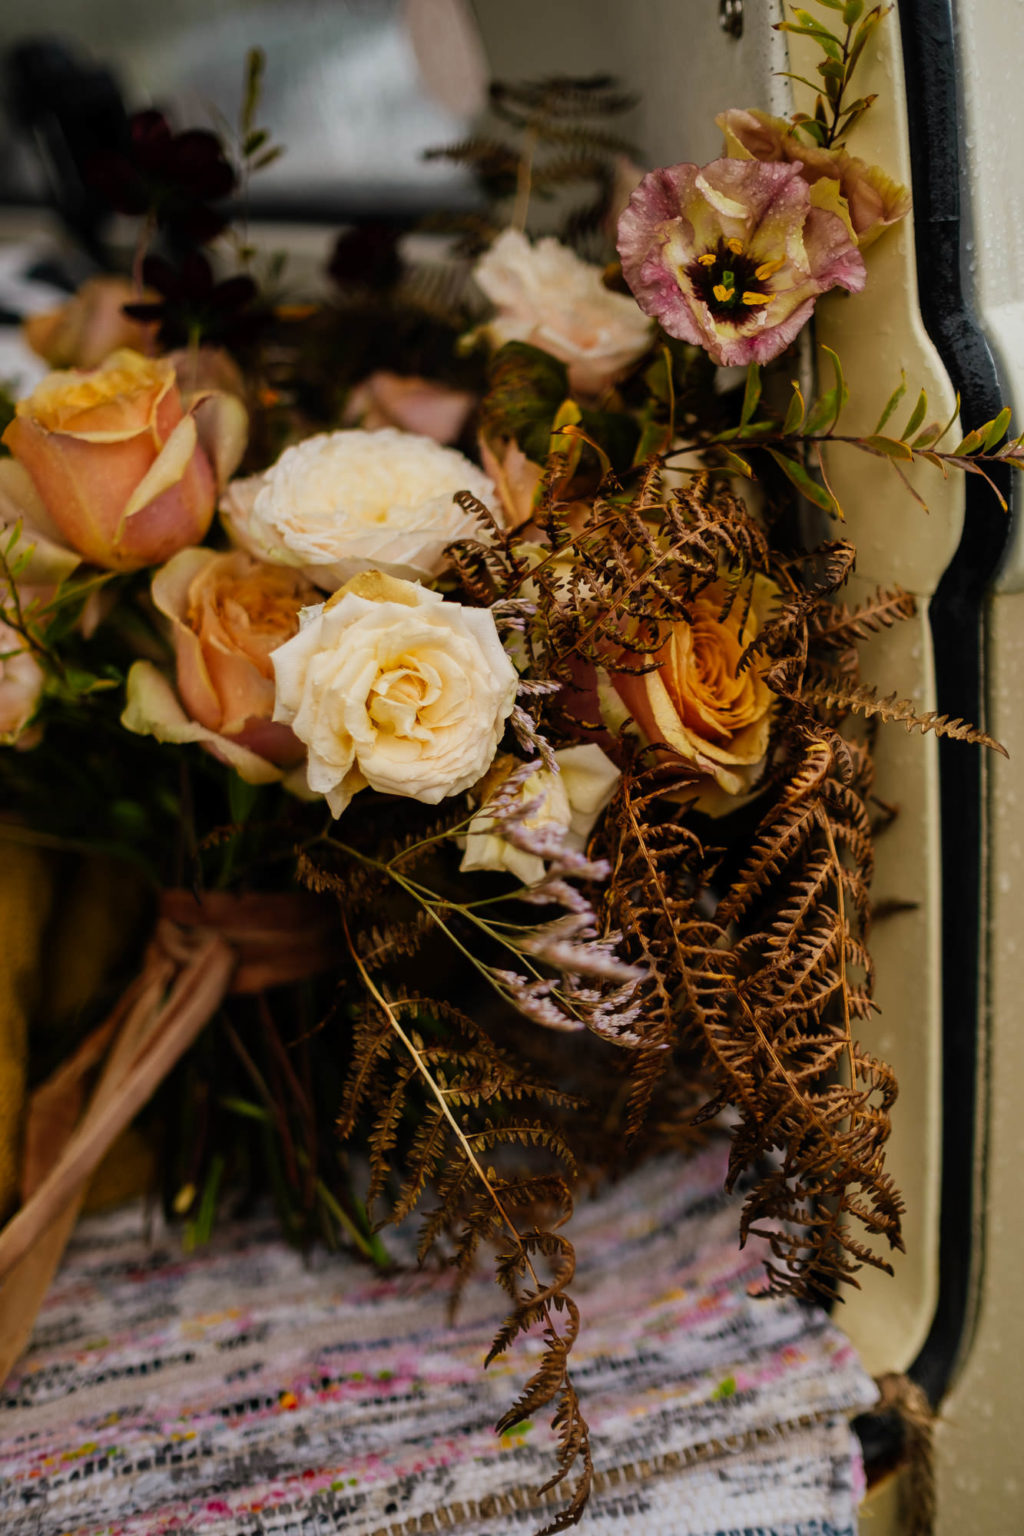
(25,899)
(64,923)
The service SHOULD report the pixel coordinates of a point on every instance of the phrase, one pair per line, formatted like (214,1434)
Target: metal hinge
(730,17)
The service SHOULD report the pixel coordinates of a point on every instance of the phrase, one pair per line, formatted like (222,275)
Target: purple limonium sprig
(731,256)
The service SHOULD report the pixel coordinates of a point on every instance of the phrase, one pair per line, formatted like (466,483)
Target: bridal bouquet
(461,664)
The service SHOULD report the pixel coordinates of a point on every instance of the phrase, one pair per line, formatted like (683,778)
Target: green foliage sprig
(795,442)
(834,115)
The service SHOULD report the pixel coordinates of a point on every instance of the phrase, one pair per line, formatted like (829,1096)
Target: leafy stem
(833,115)
(436,906)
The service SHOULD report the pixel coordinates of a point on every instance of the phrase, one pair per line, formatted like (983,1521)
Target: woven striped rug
(242,1390)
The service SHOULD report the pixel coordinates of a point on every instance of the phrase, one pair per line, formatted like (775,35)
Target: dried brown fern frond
(794,976)
(843,626)
(560,98)
(864,700)
(656,896)
(463,1089)
(556,143)
(622,568)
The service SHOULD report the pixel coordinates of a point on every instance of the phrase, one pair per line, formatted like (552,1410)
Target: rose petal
(222,423)
(49,561)
(152,708)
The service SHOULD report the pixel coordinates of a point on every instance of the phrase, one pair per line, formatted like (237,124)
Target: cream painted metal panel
(877,335)
(673,53)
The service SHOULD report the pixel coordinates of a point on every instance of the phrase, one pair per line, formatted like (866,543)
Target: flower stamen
(768,269)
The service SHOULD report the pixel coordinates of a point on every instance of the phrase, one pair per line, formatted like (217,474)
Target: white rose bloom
(547,296)
(390,686)
(571,799)
(350,501)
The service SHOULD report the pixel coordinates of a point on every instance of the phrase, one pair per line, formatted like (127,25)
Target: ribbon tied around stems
(202,950)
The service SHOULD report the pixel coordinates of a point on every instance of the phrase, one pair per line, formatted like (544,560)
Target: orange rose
(698,702)
(91,325)
(227,613)
(120,466)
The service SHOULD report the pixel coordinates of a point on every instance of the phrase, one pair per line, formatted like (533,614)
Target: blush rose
(546,296)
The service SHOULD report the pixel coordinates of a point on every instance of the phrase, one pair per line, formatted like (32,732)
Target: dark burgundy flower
(193,306)
(172,176)
(367,257)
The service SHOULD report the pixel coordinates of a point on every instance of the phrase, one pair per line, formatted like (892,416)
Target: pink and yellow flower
(731,256)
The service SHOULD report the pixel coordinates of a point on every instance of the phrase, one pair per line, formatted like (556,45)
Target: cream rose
(21,685)
(391,687)
(547,296)
(698,702)
(351,501)
(570,800)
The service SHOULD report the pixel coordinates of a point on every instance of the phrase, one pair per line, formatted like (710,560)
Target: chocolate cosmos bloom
(192,304)
(731,256)
(171,176)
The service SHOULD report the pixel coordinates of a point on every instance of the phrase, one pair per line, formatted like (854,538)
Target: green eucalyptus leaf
(751,394)
(972,442)
(889,447)
(737,463)
(862,37)
(795,413)
(892,402)
(997,428)
(798,476)
(916,417)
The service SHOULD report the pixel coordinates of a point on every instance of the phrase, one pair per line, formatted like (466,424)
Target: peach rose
(120,466)
(227,613)
(91,325)
(410,403)
(698,702)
